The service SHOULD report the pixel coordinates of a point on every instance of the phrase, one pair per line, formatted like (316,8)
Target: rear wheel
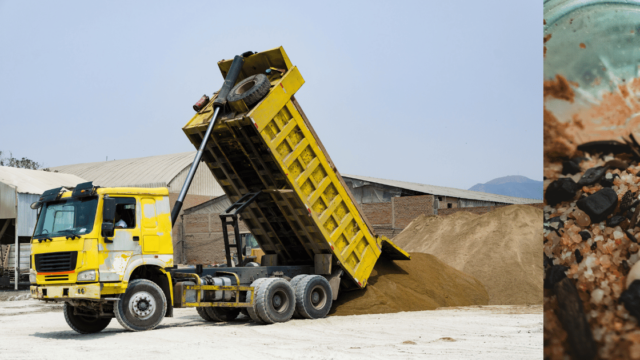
(253,310)
(142,307)
(222,314)
(294,282)
(313,297)
(203,313)
(275,301)
(84,324)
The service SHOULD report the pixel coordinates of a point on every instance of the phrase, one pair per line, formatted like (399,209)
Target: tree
(23,163)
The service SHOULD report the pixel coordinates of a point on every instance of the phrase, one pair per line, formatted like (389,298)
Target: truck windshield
(67,217)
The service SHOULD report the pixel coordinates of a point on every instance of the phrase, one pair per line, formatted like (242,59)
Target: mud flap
(392,251)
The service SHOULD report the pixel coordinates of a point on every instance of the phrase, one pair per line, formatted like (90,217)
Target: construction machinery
(107,252)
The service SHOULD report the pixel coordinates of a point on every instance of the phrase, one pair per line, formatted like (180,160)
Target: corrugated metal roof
(446,191)
(36,181)
(151,170)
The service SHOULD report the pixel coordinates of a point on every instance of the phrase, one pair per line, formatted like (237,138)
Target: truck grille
(55,262)
(56,278)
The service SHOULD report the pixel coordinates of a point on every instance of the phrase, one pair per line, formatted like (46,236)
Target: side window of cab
(125,213)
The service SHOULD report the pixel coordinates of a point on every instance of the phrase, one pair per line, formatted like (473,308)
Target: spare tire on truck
(250,90)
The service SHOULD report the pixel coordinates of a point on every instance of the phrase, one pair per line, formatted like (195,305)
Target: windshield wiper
(73,234)
(44,239)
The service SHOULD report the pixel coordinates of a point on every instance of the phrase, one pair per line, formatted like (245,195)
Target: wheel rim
(245,87)
(142,305)
(318,297)
(280,301)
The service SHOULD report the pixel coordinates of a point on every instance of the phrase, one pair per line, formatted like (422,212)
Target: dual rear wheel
(277,300)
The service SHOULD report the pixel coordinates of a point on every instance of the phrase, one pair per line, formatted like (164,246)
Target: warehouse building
(390,205)
(168,171)
(19,188)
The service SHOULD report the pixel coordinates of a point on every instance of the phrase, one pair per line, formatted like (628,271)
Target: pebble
(627,200)
(592,176)
(554,274)
(579,256)
(606,183)
(594,246)
(599,205)
(596,296)
(631,297)
(604,146)
(616,164)
(561,190)
(582,219)
(615,220)
(570,168)
(585,234)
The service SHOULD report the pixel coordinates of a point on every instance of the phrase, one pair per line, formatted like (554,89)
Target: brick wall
(407,208)
(203,239)
(378,214)
(480,209)
(389,219)
(189,201)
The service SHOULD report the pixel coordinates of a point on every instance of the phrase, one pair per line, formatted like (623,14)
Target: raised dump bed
(304,212)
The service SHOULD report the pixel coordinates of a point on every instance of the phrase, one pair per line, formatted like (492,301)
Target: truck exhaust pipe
(219,102)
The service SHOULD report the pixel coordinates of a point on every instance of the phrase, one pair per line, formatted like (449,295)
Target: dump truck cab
(90,243)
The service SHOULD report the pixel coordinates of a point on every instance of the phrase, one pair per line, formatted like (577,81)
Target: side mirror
(108,217)
(109,210)
(107,229)
(36,205)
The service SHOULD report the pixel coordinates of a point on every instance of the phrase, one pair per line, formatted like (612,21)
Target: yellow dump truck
(107,252)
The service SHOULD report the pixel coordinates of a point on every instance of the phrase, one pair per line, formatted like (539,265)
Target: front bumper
(62,292)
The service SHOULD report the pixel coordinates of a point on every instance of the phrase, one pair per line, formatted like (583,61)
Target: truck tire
(275,301)
(251,90)
(294,282)
(84,324)
(313,297)
(222,314)
(253,310)
(203,313)
(142,306)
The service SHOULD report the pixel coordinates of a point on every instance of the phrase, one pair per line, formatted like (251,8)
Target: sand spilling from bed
(500,248)
(422,283)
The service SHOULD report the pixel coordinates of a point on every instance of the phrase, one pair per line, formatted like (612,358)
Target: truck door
(125,242)
(127,227)
(150,237)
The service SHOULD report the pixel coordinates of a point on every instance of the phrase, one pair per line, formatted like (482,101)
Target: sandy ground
(30,329)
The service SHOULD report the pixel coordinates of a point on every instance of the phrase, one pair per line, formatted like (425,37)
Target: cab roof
(161,191)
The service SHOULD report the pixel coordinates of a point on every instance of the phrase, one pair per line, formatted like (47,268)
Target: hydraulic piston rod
(219,102)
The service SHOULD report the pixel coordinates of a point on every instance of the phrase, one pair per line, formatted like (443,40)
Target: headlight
(89,275)
(32,278)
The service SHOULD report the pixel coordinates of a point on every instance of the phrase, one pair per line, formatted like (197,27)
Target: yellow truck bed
(306,208)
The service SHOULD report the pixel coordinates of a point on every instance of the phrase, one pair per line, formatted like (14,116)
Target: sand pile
(500,248)
(423,283)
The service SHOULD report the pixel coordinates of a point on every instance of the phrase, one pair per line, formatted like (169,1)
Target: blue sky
(445,93)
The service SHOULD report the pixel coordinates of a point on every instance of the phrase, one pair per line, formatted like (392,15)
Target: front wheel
(84,324)
(142,307)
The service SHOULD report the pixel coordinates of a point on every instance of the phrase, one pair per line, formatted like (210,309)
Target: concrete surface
(32,330)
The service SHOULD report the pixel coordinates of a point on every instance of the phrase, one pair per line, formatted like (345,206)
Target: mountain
(514,185)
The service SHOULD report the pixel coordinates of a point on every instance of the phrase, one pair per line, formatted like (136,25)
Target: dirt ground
(32,330)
